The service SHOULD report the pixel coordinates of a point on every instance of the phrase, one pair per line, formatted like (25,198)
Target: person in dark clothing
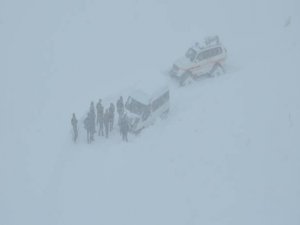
(120,106)
(100,117)
(92,108)
(124,127)
(106,122)
(87,126)
(74,125)
(119,123)
(111,116)
(92,121)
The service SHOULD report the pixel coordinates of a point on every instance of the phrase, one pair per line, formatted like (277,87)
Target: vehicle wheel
(217,70)
(186,79)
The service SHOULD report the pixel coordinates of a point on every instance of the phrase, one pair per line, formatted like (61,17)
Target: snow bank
(227,154)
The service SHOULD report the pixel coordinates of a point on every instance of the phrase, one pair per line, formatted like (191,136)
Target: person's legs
(92,136)
(101,129)
(106,131)
(88,136)
(110,124)
(75,134)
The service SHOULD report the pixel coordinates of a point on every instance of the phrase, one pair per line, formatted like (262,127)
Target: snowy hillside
(228,153)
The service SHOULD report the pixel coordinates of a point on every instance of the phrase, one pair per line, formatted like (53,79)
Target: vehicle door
(207,59)
(147,118)
(160,105)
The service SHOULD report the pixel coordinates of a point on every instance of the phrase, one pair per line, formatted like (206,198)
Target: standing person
(74,125)
(111,116)
(92,121)
(124,127)
(119,123)
(120,106)
(106,122)
(87,126)
(120,110)
(100,119)
(92,108)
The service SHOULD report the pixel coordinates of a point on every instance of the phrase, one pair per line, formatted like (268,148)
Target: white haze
(227,154)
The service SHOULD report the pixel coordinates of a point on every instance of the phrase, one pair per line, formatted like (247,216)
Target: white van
(200,60)
(144,108)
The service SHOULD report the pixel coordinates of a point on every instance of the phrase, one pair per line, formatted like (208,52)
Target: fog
(226,153)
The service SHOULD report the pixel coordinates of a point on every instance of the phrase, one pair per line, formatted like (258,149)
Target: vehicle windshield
(135,107)
(191,54)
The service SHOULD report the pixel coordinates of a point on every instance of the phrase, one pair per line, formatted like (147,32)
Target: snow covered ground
(227,154)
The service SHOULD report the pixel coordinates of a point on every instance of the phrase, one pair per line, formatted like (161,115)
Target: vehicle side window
(200,56)
(146,114)
(213,52)
(216,51)
(204,55)
(209,53)
(157,103)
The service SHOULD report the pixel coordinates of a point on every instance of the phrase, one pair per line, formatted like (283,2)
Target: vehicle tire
(186,79)
(217,70)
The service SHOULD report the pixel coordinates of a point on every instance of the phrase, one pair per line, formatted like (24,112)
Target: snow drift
(227,154)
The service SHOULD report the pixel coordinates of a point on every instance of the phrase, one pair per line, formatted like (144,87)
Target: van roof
(145,92)
(204,48)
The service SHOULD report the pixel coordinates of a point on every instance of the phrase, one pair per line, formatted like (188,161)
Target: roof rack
(212,40)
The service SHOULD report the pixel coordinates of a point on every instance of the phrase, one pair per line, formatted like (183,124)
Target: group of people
(103,120)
